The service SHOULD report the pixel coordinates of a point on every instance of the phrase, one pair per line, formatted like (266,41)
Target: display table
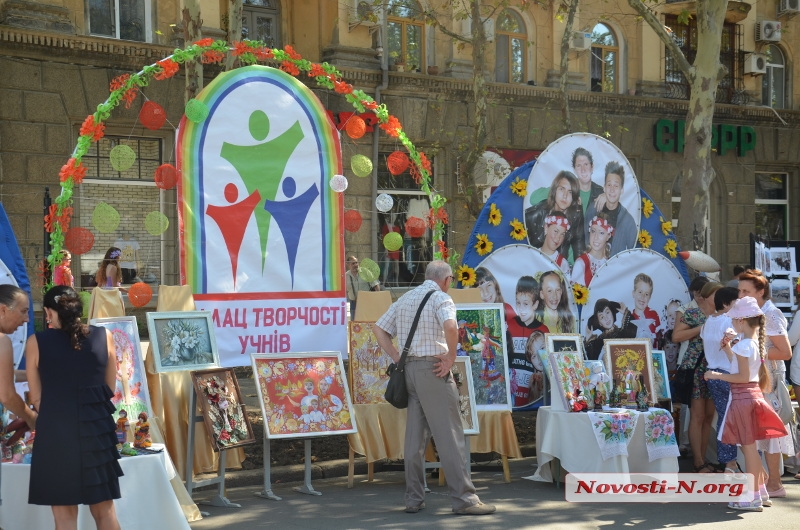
(568,437)
(147,498)
(381,435)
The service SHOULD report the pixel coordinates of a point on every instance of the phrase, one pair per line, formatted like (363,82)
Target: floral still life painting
(303,394)
(629,362)
(182,340)
(222,408)
(368,363)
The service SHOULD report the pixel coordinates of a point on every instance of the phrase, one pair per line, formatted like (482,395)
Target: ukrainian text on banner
(260,226)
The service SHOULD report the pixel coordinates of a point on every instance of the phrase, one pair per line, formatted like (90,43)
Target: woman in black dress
(71,369)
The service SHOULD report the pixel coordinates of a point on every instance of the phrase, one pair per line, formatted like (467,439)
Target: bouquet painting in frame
(182,340)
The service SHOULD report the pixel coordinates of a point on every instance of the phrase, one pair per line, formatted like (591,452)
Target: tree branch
(683,65)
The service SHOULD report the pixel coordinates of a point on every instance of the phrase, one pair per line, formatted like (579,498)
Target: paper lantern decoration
(156,223)
(152,115)
(166,176)
(140,294)
(361,165)
(369,271)
(397,163)
(415,227)
(384,202)
(122,157)
(196,111)
(356,127)
(78,240)
(338,183)
(352,220)
(393,241)
(105,218)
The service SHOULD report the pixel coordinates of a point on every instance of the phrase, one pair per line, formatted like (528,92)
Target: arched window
(260,21)
(773,84)
(510,45)
(406,35)
(604,64)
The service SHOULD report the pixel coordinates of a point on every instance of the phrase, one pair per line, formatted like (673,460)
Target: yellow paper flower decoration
(466,275)
(580,293)
(494,215)
(483,246)
(671,248)
(647,207)
(666,226)
(645,239)
(518,231)
(520,187)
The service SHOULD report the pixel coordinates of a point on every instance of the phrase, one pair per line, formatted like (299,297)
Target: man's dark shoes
(477,509)
(415,509)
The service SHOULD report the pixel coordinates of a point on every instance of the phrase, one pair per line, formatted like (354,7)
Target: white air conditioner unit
(768,31)
(789,7)
(581,41)
(755,64)
(363,13)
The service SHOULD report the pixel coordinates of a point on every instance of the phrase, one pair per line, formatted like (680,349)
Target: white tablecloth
(148,500)
(569,437)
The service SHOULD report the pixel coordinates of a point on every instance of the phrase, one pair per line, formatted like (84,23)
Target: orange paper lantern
(140,294)
(152,115)
(78,240)
(352,220)
(166,176)
(397,162)
(415,227)
(355,127)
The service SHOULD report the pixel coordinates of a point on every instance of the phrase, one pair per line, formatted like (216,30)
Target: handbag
(396,392)
(682,383)
(779,397)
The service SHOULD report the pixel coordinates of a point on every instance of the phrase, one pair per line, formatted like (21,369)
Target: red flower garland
(90,128)
(73,169)
(212,56)
(204,42)
(292,54)
(392,126)
(290,68)
(168,69)
(129,95)
(443,249)
(316,71)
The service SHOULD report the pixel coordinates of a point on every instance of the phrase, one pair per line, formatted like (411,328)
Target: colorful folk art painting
(570,375)
(368,363)
(482,338)
(629,362)
(303,394)
(223,410)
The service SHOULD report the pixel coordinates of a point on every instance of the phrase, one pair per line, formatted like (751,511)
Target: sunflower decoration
(518,231)
(494,215)
(645,239)
(520,187)
(671,248)
(465,275)
(647,207)
(666,226)
(580,293)
(483,246)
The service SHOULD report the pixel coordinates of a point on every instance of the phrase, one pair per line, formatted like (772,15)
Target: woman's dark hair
(601,306)
(725,296)
(67,304)
(9,293)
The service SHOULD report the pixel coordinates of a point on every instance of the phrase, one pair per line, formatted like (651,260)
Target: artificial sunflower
(671,248)
(666,226)
(483,246)
(494,215)
(518,231)
(466,275)
(647,207)
(580,293)
(645,239)
(519,186)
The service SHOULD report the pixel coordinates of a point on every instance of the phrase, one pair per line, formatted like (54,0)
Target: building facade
(58,57)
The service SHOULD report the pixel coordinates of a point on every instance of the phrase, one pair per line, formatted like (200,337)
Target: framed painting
(782,260)
(130,392)
(482,338)
(660,376)
(462,373)
(303,395)
(569,375)
(564,342)
(629,363)
(223,410)
(182,340)
(782,291)
(368,363)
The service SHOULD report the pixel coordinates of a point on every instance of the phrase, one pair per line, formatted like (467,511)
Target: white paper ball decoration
(384,202)
(338,183)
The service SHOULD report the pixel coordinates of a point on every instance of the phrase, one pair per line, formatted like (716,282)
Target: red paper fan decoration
(355,127)
(140,294)
(352,220)
(166,176)
(78,240)
(397,162)
(415,227)
(152,115)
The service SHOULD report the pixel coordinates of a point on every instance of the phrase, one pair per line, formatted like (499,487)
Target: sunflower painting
(629,362)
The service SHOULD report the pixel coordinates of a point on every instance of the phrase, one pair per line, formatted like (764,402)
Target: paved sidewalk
(520,504)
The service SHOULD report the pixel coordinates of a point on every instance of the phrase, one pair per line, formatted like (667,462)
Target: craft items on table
(462,374)
(122,427)
(629,362)
(613,431)
(570,379)
(659,433)
(597,387)
(222,408)
(142,437)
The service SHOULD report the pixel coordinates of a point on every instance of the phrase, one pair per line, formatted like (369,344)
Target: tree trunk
(565,41)
(234,29)
(192,31)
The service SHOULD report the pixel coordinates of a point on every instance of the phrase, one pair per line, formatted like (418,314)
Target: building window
(404,267)
(772,205)
(406,34)
(260,21)
(121,19)
(604,59)
(133,195)
(510,48)
(773,83)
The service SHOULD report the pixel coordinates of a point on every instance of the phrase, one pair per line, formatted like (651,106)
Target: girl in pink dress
(749,417)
